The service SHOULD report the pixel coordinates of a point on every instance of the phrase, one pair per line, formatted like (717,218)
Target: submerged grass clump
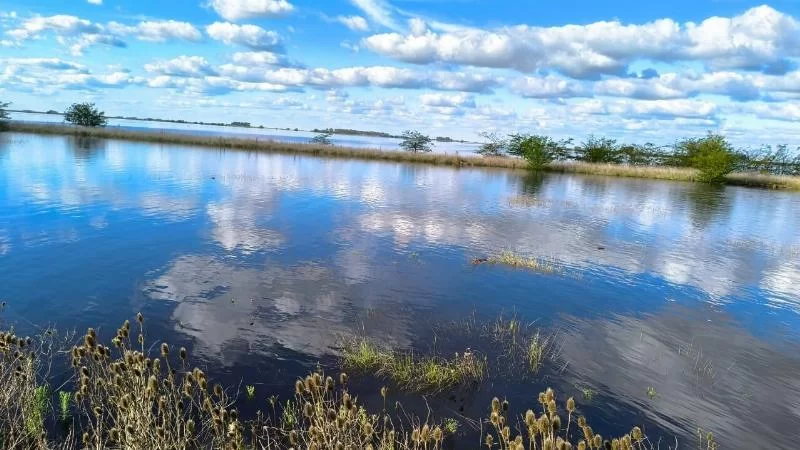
(511,259)
(429,374)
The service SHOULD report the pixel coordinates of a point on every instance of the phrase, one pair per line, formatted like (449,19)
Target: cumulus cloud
(213,85)
(448,101)
(547,87)
(648,109)
(355,23)
(258,59)
(251,36)
(375,76)
(182,66)
(48,75)
(158,30)
(235,10)
(761,38)
(79,34)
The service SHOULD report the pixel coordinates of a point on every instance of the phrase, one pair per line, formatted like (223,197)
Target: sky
(631,70)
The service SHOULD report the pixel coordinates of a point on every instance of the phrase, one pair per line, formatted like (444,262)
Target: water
(259,262)
(370,142)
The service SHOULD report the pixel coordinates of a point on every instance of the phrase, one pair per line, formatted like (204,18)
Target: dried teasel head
(164,350)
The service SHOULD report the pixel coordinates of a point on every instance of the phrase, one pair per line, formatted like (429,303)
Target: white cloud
(760,38)
(647,108)
(95,2)
(80,34)
(250,36)
(213,85)
(355,23)
(375,76)
(182,66)
(547,87)
(379,11)
(44,63)
(258,59)
(448,101)
(158,30)
(235,10)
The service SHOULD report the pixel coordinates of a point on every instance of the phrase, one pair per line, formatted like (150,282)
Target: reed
(443,159)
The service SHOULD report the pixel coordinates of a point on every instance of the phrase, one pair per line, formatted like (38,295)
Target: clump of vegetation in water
(508,258)
(417,374)
(85,115)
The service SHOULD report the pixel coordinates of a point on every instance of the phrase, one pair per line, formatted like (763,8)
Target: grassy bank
(446,159)
(136,396)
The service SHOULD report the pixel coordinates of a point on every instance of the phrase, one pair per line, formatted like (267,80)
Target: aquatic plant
(512,259)
(428,374)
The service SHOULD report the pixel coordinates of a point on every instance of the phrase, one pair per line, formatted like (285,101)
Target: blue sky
(633,70)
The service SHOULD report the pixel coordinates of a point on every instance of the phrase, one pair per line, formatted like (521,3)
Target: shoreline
(785,182)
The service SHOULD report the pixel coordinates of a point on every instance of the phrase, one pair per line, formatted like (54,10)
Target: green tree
(495,145)
(537,150)
(85,115)
(414,141)
(599,150)
(4,117)
(323,138)
(713,156)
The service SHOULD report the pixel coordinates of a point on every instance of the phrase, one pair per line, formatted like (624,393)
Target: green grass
(447,159)
(428,374)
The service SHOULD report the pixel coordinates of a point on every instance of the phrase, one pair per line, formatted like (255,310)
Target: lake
(302,137)
(675,304)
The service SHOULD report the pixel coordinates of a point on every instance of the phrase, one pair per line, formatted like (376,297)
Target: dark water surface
(258,262)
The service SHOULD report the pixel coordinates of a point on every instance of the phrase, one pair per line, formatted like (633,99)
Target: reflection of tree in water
(707,203)
(86,148)
(532,182)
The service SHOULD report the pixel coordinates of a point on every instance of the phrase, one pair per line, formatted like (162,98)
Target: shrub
(416,142)
(495,145)
(599,150)
(322,138)
(85,115)
(712,156)
(538,151)
(3,114)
